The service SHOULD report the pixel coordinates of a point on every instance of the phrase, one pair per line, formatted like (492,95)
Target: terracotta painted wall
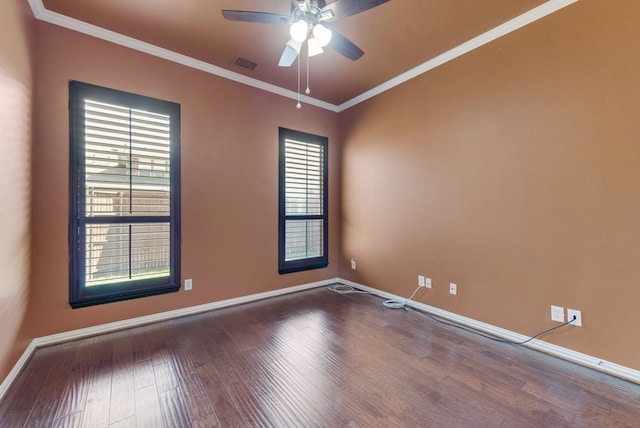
(229,178)
(16,65)
(513,171)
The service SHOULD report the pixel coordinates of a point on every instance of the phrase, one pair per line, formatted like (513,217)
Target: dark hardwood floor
(314,358)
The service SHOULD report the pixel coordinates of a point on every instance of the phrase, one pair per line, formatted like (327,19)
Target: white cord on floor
(346,289)
(397,304)
(392,304)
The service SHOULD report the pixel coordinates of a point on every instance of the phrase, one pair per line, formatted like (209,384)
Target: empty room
(319,213)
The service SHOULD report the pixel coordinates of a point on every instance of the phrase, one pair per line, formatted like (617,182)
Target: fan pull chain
(307,91)
(298,105)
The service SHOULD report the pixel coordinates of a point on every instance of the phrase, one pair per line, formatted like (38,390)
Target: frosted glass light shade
(314,47)
(299,31)
(322,34)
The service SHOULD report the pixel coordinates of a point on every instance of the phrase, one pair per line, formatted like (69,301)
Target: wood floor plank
(622,415)
(50,396)
(310,359)
(73,420)
(98,403)
(174,409)
(248,388)
(129,422)
(226,410)
(230,366)
(209,421)
(88,360)
(195,396)
(122,403)
(148,410)
(21,397)
(143,374)
(142,344)
(257,410)
(283,382)
(165,376)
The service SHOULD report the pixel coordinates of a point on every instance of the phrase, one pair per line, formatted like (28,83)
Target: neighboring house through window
(124,221)
(303,202)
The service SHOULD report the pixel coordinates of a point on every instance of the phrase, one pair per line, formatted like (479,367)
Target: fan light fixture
(314,47)
(320,37)
(299,31)
(322,34)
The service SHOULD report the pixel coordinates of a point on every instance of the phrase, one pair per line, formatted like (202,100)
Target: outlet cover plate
(578,314)
(427,282)
(453,288)
(557,313)
(420,280)
(353,264)
(188,284)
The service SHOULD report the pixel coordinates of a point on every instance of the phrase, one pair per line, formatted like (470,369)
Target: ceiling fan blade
(344,46)
(343,8)
(261,17)
(290,53)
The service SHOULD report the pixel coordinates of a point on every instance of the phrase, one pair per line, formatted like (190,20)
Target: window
(303,200)
(124,225)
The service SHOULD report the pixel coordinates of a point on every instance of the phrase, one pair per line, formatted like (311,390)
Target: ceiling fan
(311,21)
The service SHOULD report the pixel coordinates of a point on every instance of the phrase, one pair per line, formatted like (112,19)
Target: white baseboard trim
(147,319)
(595,363)
(539,345)
(17,368)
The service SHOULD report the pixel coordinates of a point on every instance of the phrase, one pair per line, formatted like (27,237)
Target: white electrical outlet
(453,288)
(557,313)
(427,282)
(420,280)
(188,284)
(574,313)
(353,264)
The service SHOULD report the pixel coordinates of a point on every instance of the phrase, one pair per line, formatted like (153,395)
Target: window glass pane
(107,166)
(127,161)
(304,181)
(121,252)
(303,239)
(107,253)
(150,250)
(150,151)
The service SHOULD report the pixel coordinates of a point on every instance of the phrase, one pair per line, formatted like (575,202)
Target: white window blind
(127,174)
(304,183)
(127,155)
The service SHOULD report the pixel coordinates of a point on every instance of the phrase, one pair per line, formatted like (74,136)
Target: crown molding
(545,9)
(43,14)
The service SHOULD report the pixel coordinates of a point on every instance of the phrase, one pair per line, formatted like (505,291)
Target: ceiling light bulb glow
(299,31)
(322,34)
